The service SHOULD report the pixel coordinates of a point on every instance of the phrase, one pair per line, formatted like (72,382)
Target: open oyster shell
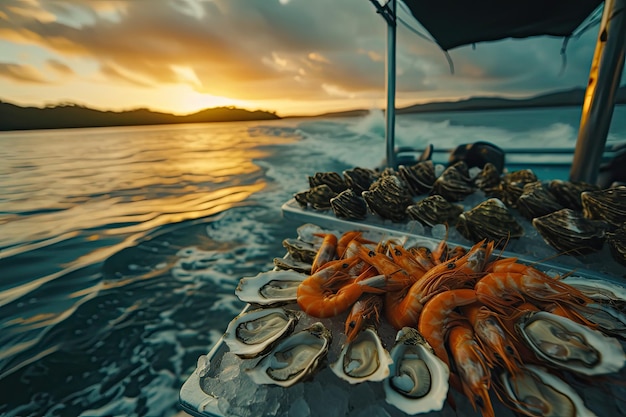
(568,231)
(535,392)
(418,380)
(254,332)
(270,287)
(491,220)
(294,358)
(300,250)
(363,359)
(566,344)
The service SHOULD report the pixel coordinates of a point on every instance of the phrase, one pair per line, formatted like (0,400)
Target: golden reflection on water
(123,180)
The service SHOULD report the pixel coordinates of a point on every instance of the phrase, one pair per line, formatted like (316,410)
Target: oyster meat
(491,220)
(568,231)
(535,392)
(254,332)
(363,359)
(434,210)
(294,358)
(270,287)
(418,379)
(565,344)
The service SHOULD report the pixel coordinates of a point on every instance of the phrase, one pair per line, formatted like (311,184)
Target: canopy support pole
(604,79)
(388,12)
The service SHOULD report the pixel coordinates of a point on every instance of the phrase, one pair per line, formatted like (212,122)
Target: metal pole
(390,85)
(604,79)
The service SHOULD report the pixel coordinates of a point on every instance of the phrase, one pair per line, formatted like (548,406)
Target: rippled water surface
(120,248)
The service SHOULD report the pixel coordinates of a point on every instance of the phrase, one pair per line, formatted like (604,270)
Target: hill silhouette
(14,117)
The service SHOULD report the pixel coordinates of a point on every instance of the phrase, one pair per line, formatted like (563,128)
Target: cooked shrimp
(332,290)
(438,317)
(345,240)
(326,252)
(472,367)
(365,309)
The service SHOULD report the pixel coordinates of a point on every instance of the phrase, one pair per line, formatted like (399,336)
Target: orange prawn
(472,367)
(438,317)
(365,309)
(332,290)
(508,284)
(326,252)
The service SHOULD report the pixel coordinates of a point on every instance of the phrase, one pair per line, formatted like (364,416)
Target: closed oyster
(535,392)
(363,359)
(512,185)
(332,179)
(434,210)
(568,193)
(294,358)
(418,380)
(454,183)
(568,231)
(617,243)
(488,179)
(270,287)
(419,177)
(489,220)
(252,333)
(388,197)
(536,201)
(565,344)
(300,250)
(319,197)
(359,179)
(349,205)
(608,205)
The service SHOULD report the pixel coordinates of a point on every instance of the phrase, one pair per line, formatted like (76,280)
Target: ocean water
(120,248)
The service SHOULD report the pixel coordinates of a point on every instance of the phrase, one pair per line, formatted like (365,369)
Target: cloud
(273,49)
(21,73)
(59,67)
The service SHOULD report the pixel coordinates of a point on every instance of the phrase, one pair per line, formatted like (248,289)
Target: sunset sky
(290,56)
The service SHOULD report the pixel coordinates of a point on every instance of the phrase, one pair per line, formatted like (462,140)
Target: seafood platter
(368,321)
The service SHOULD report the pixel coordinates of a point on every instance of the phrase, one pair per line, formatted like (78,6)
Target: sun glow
(189,101)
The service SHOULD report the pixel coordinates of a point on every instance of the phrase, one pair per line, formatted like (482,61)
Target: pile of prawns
(464,303)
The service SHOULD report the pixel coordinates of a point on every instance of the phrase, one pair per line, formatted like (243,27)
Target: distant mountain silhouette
(574,97)
(13,117)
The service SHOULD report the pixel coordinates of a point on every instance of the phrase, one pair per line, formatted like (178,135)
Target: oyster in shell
(363,359)
(252,333)
(565,344)
(418,380)
(568,231)
(359,179)
(617,243)
(419,177)
(535,392)
(491,220)
(608,205)
(270,287)
(488,179)
(290,263)
(332,179)
(319,197)
(454,183)
(294,358)
(434,210)
(300,250)
(568,193)
(512,185)
(536,201)
(388,197)
(349,205)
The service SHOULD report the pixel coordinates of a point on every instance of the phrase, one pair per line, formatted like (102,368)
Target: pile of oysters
(575,218)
